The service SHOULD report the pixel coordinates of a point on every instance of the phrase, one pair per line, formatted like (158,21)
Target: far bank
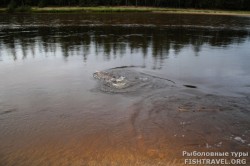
(106,9)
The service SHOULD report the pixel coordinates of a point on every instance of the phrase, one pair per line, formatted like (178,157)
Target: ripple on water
(135,81)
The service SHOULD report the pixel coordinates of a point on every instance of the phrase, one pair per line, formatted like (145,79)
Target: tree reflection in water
(107,40)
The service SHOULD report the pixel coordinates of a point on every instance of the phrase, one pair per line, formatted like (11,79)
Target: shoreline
(106,9)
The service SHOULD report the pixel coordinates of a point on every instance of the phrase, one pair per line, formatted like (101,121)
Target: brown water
(53,112)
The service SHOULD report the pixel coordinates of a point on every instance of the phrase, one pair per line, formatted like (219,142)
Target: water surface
(51,111)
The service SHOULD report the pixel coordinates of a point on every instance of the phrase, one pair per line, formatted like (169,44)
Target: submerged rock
(239,139)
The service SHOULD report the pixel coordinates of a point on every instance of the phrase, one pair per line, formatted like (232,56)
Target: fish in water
(111,80)
(190,86)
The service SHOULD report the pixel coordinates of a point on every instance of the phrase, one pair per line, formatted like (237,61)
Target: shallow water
(53,112)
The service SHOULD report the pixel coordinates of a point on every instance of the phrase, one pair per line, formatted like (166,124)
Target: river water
(52,111)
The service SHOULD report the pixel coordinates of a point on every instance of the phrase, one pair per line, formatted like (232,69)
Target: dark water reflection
(50,114)
(151,40)
(116,39)
(115,33)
